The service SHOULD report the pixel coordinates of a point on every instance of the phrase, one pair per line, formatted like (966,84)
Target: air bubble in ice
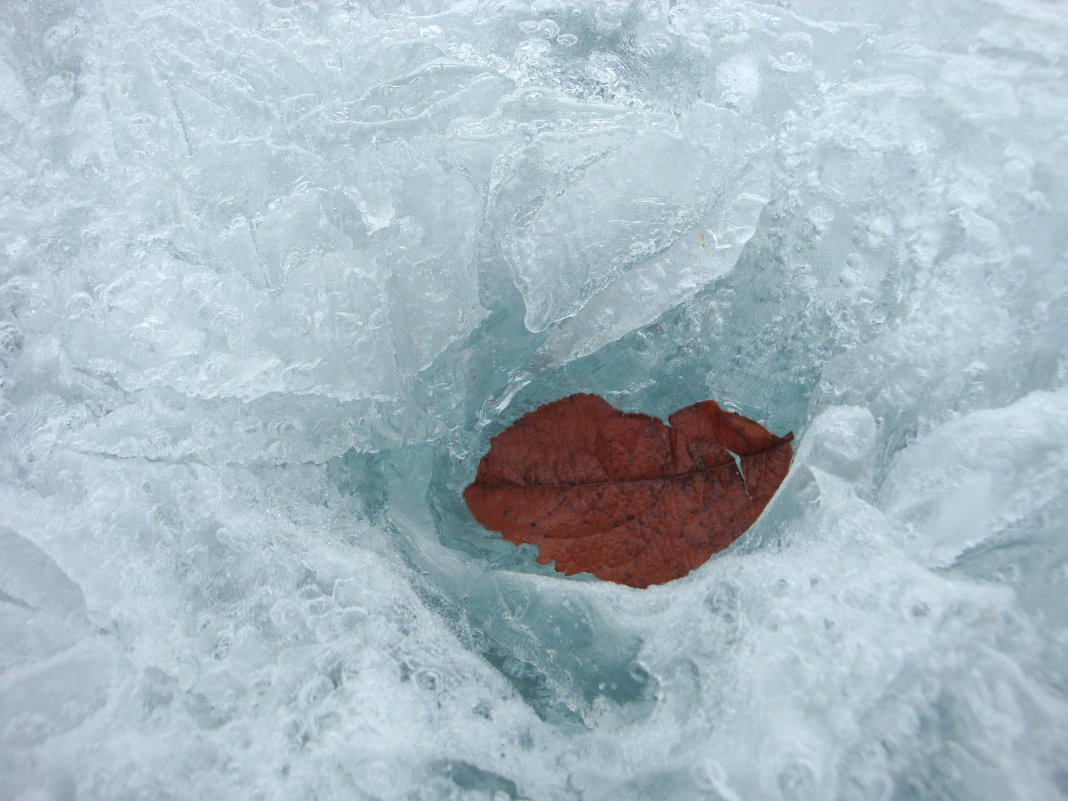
(548,28)
(792,53)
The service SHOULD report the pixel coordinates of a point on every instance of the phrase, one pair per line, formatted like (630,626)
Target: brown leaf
(623,496)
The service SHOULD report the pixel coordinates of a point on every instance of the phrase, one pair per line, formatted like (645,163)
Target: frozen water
(273,272)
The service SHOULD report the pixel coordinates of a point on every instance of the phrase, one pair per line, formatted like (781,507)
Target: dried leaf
(624,496)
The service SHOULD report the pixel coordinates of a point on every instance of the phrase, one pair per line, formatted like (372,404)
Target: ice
(671,274)
(636,201)
(30,578)
(272,273)
(974,477)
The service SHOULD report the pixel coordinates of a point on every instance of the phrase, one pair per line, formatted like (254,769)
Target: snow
(274,272)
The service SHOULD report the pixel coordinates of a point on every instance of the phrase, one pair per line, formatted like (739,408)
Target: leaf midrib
(658,479)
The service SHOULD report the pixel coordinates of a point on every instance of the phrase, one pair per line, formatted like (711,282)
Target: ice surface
(273,272)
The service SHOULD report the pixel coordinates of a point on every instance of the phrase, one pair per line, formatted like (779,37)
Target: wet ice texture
(274,272)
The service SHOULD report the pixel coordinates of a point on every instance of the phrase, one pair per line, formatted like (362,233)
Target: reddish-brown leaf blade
(624,496)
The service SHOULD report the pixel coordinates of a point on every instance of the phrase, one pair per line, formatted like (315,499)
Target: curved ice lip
(642,294)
